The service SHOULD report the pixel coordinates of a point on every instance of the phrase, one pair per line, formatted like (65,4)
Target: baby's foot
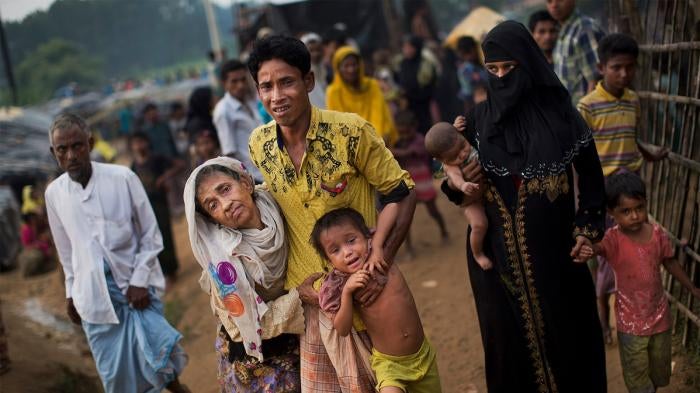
(483,261)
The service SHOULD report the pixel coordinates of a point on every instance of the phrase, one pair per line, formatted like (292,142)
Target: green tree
(55,64)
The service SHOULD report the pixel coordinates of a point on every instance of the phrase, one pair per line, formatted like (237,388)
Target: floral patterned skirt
(277,373)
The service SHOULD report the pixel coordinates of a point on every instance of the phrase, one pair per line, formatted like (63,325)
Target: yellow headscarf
(367,101)
(30,204)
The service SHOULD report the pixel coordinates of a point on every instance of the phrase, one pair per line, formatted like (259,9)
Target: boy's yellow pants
(416,373)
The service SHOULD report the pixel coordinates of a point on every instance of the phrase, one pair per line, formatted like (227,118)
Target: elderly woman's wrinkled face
(228,201)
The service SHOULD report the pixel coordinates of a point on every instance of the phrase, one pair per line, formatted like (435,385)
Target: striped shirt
(576,54)
(613,122)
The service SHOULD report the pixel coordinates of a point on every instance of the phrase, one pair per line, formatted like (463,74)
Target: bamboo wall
(668,83)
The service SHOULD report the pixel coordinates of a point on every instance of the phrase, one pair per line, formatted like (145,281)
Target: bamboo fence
(668,84)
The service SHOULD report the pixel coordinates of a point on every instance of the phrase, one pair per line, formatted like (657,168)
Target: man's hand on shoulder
(367,295)
(138,297)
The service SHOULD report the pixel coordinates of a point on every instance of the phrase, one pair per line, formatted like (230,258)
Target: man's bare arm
(407,207)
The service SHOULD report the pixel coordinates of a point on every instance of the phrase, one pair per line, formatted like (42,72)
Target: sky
(15,10)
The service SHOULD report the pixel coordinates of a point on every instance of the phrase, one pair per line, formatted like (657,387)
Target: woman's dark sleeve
(590,217)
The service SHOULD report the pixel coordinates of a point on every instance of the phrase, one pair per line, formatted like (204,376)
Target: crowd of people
(311,144)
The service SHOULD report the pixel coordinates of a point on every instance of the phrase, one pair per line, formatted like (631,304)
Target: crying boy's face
(345,246)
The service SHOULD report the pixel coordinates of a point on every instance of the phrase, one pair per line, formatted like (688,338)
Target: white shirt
(234,124)
(109,220)
(318,94)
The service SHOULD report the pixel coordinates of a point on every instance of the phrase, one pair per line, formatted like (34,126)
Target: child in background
(402,357)
(634,248)
(612,113)
(155,171)
(470,73)
(37,253)
(410,152)
(444,142)
(206,146)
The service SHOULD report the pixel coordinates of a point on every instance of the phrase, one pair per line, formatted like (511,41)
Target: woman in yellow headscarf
(353,91)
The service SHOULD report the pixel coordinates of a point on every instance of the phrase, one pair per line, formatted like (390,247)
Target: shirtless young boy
(402,358)
(444,142)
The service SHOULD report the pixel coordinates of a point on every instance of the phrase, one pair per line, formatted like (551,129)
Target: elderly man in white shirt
(236,115)
(108,242)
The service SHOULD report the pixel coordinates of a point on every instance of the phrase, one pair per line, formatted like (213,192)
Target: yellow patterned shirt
(345,161)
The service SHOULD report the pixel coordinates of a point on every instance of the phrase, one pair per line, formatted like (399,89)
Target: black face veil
(527,127)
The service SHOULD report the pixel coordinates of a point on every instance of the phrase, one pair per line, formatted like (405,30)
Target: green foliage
(55,64)
(129,35)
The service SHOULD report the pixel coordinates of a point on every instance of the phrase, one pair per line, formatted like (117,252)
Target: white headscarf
(234,260)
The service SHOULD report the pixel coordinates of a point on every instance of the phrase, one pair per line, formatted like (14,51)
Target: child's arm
(679,274)
(652,154)
(454,174)
(385,222)
(342,322)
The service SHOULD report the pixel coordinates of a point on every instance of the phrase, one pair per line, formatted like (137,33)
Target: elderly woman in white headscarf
(238,237)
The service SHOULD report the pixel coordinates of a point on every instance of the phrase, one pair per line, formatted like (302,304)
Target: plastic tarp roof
(476,24)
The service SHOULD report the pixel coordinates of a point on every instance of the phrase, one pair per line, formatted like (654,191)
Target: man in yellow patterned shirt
(314,161)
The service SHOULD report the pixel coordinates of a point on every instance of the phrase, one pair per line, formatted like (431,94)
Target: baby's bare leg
(390,389)
(477,220)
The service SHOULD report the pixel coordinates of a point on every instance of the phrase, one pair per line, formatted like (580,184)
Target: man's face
(315,51)
(560,9)
(71,147)
(284,92)
(545,34)
(236,84)
(618,72)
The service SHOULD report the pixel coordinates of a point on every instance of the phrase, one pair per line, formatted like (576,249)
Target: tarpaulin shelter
(476,24)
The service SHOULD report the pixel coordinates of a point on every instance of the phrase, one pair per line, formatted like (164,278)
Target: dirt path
(437,276)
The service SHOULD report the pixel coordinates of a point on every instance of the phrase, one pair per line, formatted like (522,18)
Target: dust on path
(437,276)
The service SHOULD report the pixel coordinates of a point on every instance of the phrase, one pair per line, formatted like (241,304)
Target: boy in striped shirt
(612,112)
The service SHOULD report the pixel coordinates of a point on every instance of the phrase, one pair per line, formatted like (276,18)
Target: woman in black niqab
(537,307)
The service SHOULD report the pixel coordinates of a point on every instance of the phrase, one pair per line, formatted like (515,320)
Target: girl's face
(500,68)
(350,70)
(229,202)
(630,214)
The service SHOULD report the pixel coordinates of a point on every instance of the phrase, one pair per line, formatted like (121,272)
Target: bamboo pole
(669,97)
